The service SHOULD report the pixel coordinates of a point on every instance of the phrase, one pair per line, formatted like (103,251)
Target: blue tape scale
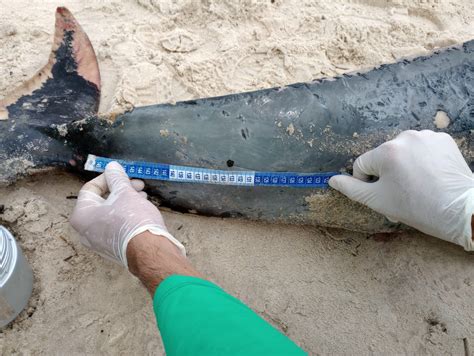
(184,174)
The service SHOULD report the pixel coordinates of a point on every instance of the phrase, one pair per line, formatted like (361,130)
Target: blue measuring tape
(166,172)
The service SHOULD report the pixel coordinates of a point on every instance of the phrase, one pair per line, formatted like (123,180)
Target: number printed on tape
(167,172)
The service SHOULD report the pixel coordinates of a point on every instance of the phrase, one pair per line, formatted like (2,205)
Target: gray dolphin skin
(320,126)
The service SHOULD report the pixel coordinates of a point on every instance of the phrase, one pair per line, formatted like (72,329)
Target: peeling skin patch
(332,209)
(290,129)
(442,120)
(164,133)
(10,168)
(62,130)
(345,146)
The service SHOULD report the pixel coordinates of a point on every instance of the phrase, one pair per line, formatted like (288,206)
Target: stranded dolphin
(320,126)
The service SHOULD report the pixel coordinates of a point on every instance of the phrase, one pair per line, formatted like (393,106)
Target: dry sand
(333,292)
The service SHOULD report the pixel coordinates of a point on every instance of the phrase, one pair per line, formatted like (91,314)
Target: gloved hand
(106,225)
(423,182)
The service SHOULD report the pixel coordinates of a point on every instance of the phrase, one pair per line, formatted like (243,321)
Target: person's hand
(423,181)
(107,225)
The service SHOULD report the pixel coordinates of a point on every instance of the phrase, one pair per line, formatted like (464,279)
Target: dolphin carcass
(321,126)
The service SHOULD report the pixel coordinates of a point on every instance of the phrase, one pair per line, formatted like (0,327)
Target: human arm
(153,258)
(423,181)
(194,316)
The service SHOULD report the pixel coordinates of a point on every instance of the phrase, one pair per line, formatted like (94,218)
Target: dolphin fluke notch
(66,89)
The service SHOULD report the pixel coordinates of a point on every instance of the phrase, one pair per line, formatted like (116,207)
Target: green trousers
(196,317)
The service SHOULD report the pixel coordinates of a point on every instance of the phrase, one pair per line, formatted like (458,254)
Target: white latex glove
(423,182)
(107,225)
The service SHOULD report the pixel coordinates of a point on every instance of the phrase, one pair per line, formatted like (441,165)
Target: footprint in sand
(259,70)
(181,41)
(146,84)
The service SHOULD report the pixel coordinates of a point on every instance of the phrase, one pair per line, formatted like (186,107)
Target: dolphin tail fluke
(65,90)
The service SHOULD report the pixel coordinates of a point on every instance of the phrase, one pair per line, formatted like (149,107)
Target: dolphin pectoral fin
(65,90)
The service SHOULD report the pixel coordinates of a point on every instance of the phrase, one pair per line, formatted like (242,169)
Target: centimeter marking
(166,172)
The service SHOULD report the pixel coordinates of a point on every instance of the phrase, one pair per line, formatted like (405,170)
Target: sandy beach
(331,291)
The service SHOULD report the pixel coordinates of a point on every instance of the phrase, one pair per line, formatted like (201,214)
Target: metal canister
(16,278)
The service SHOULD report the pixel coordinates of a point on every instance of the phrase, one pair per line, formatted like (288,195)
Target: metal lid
(8,253)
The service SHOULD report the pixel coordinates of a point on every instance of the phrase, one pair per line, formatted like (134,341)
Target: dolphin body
(320,126)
